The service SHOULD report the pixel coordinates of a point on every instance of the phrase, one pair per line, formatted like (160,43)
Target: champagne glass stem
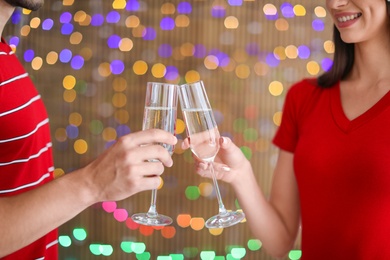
(221,207)
(152,212)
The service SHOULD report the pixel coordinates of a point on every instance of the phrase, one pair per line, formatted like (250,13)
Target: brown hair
(343,59)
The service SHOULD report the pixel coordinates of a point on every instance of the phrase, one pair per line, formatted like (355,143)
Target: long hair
(343,59)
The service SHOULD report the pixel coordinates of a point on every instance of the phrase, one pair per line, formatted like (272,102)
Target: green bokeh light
(126,246)
(177,256)
(79,234)
(207,255)
(143,256)
(246,151)
(250,135)
(238,252)
(295,254)
(190,251)
(254,244)
(138,247)
(192,192)
(240,124)
(65,241)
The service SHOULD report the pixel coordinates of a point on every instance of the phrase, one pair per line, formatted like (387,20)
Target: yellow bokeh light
(180,126)
(25,30)
(243,71)
(320,12)
(280,52)
(104,69)
(275,88)
(187,49)
(270,9)
(277,118)
(126,44)
(182,21)
(86,21)
(119,4)
(132,21)
(192,76)
(211,62)
(80,146)
(86,53)
(140,67)
(109,134)
(67,2)
(299,10)
(206,189)
(37,63)
(197,223)
(58,172)
(292,52)
(329,47)
(122,116)
(281,24)
(159,70)
(231,22)
(216,231)
(35,22)
(52,57)
(313,68)
(60,134)
(69,95)
(75,119)
(161,183)
(119,84)
(168,8)
(119,100)
(26,11)
(80,16)
(69,82)
(261,68)
(76,38)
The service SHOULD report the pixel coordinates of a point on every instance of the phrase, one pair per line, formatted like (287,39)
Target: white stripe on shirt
(4,53)
(26,135)
(44,149)
(37,97)
(43,177)
(24,75)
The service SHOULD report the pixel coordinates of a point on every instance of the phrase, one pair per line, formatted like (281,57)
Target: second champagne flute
(160,112)
(204,137)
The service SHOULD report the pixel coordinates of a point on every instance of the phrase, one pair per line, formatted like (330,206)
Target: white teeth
(348,18)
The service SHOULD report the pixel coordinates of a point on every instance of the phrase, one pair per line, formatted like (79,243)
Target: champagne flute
(160,112)
(204,137)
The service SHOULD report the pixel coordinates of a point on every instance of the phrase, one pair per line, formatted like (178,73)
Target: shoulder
(305,87)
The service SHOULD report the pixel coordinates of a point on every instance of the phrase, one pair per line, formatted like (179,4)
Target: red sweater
(342,169)
(25,148)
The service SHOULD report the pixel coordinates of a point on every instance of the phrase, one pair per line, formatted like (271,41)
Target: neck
(6,11)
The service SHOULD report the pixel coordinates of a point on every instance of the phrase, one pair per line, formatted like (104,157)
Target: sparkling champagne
(203,132)
(162,118)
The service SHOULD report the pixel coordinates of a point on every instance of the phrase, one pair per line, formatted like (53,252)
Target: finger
(185,144)
(154,152)
(149,136)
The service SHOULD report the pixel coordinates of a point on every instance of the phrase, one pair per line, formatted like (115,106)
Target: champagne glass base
(148,220)
(225,220)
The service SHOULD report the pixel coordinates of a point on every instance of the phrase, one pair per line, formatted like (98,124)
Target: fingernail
(226,169)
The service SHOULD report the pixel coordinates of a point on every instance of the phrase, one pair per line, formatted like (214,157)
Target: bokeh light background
(91,59)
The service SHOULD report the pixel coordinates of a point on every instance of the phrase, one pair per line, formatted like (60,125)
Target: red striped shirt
(26,160)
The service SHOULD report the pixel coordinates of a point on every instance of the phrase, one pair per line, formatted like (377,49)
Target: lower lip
(347,23)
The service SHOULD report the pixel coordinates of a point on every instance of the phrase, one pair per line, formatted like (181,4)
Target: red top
(25,148)
(343,172)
